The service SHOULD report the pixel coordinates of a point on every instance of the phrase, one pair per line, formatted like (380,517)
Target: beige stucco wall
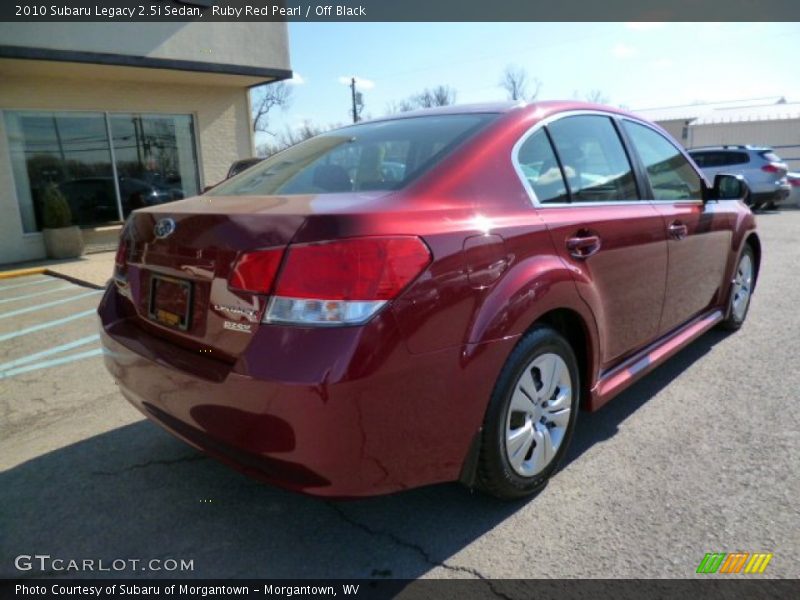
(221,115)
(784,132)
(243,44)
(675,129)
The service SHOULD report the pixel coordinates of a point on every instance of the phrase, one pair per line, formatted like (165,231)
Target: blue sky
(638,65)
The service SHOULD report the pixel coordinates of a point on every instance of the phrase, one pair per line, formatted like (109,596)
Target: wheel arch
(754,242)
(570,324)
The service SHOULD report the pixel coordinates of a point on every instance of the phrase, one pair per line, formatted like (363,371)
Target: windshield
(384,155)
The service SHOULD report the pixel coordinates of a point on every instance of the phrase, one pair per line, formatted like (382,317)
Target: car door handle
(583,246)
(678,230)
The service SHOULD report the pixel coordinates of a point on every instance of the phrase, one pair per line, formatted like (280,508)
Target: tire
(744,278)
(523,440)
(755,206)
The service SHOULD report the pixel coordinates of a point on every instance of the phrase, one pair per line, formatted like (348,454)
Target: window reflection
(154,156)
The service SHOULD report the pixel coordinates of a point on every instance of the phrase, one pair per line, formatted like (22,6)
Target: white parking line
(36,281)
(46,325)
(49,352)
(22,311)
(27,296)
(51,363)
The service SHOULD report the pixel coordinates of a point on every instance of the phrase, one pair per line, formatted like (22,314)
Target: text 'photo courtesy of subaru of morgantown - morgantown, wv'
(427,297)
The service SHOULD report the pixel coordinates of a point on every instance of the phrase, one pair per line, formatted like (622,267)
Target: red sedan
(424,298)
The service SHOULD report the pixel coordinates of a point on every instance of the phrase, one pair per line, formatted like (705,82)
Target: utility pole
(353,94)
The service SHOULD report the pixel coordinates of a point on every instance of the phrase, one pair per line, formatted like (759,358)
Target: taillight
(255,271)
(344,282)
(771,168)
(121,258)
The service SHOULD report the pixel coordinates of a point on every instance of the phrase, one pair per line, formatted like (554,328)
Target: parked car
(241,165)
(794,196)
(763,170)
(94,199)
(344,335)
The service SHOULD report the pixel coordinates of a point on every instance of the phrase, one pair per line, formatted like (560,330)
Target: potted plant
(61,238)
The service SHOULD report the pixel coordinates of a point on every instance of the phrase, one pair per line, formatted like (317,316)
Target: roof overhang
(246,75)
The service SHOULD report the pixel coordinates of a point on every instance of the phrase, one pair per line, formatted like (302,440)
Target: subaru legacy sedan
(424,298)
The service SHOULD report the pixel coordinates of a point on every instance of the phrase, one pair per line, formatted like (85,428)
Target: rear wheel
(741,290)
(531,416)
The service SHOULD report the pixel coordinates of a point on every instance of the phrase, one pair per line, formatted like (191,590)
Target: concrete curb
(74,280)
(22,272)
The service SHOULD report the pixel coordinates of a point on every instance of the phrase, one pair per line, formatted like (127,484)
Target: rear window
(374,156)
(770,156)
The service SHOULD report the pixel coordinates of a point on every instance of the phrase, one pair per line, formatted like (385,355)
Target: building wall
(221,116)
(675,128)
(767,133)
(257,45)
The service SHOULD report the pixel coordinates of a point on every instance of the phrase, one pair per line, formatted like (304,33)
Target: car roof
(546,107)
(731,148)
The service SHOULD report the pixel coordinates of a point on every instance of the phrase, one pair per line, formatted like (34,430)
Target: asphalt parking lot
(700,456)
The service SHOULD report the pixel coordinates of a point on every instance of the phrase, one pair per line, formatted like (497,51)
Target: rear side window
(539,166)
(385,155)
(593,158)
(671,176)
(719,158)
(733,158)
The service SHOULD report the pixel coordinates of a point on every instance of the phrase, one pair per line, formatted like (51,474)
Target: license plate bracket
(170,302)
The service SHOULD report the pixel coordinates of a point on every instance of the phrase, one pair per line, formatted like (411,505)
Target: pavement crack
(153,463)
(418,549)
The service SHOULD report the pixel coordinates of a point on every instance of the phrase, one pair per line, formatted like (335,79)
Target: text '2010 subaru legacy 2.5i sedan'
(344,329)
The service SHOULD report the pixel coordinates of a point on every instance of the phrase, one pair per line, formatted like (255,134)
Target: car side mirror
(729,187)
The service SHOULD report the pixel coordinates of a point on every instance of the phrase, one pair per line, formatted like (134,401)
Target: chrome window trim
(573,113)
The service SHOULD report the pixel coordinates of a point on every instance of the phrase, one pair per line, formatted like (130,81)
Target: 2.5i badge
(243,327)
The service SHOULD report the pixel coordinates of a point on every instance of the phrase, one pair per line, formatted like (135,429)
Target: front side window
(671,176)
(537,162)
(594,160)
(385,155)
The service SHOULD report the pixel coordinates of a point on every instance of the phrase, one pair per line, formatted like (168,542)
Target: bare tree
(441,95)
(399,107)
(597,97)
(515,82)
(289,137)
(267,97)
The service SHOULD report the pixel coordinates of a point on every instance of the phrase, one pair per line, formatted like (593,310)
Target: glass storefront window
(153,157)
(69,149)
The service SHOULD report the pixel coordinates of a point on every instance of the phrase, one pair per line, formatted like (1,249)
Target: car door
(699,234)
(613,242)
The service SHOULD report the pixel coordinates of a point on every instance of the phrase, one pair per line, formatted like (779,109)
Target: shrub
(56,209)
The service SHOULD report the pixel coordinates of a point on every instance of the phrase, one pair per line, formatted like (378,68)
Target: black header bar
(399,10)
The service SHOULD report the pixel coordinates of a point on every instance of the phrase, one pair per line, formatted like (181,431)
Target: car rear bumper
(775,196)
(341,412)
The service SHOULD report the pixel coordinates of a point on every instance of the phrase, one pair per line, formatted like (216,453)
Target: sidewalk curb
(74,280)
(45,271)
(22,272)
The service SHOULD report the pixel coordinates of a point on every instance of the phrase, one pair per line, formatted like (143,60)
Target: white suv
(763,170)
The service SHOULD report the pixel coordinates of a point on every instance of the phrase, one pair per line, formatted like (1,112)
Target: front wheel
(531,416)
(741,290)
